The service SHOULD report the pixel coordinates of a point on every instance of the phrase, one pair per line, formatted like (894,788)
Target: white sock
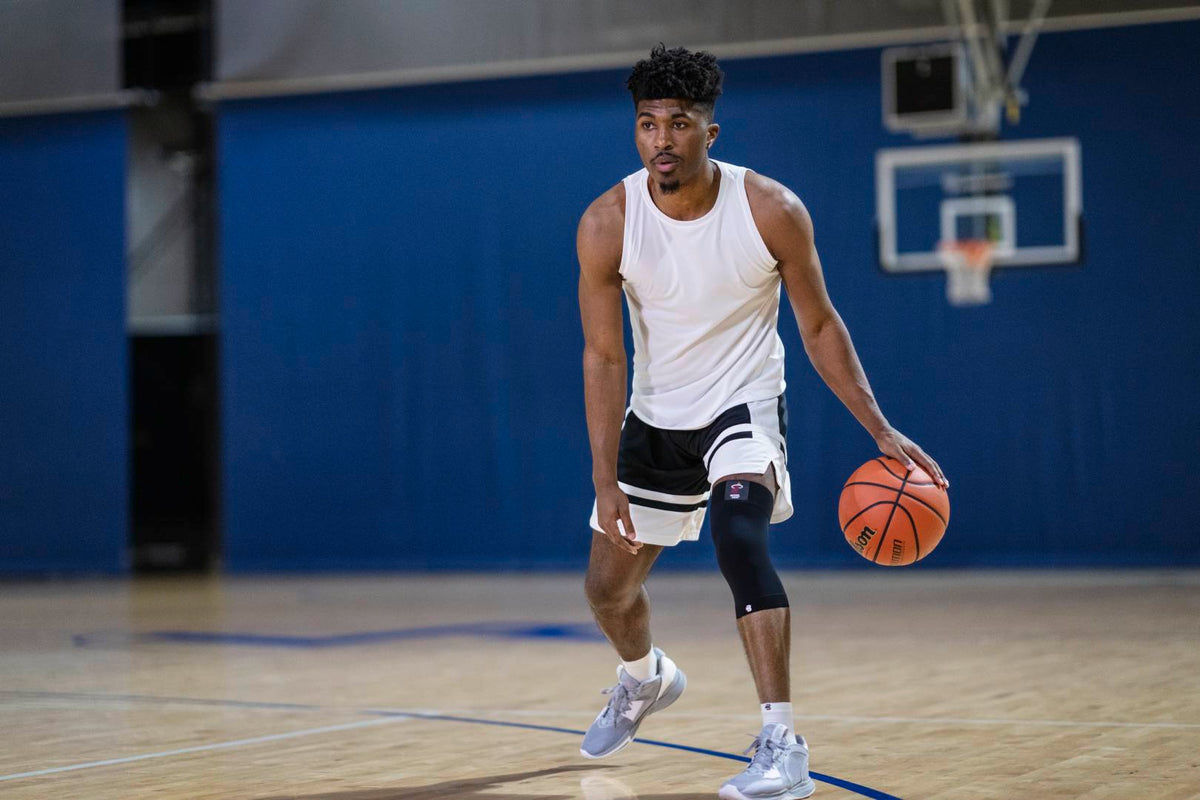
(780,713)
(644,668)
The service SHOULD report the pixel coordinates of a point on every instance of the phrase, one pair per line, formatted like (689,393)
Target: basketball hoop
(968,264)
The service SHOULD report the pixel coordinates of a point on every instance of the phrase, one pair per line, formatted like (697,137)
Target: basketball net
(968,264)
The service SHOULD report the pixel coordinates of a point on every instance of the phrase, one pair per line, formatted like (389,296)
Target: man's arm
(787,231)
(599,242)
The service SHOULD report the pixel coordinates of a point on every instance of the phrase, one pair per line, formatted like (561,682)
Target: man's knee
(741,516)
(606,592)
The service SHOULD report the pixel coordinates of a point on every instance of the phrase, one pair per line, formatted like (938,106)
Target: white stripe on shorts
(649,494)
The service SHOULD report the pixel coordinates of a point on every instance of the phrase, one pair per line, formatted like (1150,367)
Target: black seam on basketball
(862,511)
(927,505)
(906,494)
(884,464)
(916,537)
(883,533)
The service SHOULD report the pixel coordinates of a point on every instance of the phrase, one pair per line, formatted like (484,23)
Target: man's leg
(766,634)
(616,593)
(741,506)
(767,640)
(647,680)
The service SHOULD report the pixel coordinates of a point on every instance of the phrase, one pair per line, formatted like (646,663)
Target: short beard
(669,188)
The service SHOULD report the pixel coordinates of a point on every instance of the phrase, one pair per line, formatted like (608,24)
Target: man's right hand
(612,512)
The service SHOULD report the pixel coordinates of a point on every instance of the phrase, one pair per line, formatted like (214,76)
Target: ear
(713,130)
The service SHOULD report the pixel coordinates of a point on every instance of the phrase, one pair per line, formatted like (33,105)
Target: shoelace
(618,704)
(764,754)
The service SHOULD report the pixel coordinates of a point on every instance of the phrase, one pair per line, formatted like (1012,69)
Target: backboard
(1025,197)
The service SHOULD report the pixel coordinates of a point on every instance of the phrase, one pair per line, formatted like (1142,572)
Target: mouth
(665,164)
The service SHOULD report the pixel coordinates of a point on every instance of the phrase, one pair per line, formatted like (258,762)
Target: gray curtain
(299,39)
(269,46)
(54,50)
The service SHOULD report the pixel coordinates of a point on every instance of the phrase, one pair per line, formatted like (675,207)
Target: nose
(662,140)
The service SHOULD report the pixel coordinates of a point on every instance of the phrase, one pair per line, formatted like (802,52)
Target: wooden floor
(915,684)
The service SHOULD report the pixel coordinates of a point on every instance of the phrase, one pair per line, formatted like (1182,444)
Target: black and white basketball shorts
(667,474)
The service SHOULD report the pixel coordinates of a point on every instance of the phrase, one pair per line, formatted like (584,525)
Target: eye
(647,126)
(680,124)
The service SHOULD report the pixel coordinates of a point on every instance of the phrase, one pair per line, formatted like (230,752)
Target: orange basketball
(892,516)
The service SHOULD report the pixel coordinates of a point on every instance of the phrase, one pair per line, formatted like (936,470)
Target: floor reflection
(595,785)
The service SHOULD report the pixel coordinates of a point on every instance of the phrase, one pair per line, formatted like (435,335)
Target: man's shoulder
(768,193)
(773,204)
(605,216)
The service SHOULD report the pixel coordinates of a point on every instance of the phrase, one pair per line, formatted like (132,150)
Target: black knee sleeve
(740,515)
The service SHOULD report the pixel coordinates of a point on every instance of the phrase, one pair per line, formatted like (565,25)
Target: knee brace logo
(735,490)
(863,538)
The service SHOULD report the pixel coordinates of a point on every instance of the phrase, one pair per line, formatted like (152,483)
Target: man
(700,249)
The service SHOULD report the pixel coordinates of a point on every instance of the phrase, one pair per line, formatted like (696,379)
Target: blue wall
(402,348)
(63,395)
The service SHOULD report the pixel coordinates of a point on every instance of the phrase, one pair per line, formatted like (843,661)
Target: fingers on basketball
(930,467)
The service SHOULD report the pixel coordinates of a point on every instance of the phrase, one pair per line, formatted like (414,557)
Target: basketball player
(700,249)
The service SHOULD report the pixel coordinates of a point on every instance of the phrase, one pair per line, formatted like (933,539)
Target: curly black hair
(676,73)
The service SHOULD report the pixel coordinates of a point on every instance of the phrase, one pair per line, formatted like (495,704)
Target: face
(673,137)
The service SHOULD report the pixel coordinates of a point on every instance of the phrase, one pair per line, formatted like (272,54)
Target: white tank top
(703,299)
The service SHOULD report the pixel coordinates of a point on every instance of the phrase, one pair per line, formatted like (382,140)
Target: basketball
(892,516)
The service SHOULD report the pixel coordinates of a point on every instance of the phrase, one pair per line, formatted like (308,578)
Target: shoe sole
(668,697)
(795,793)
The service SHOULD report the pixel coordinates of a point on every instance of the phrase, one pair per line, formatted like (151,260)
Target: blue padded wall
(63,396)
(402,348)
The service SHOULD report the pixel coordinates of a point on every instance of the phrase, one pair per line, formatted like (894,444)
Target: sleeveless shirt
(703,298)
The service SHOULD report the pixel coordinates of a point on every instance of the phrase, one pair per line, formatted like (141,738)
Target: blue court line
(865,791)
(571,631)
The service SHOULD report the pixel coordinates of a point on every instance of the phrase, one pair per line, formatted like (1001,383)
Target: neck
(693,199)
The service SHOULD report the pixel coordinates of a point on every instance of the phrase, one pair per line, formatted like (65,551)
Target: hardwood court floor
(916,684)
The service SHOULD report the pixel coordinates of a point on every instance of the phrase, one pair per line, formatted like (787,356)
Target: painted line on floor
(382,717)
(1050,723)
(864,791)
(565,631)
(526,712)
(856,720)
(27,694)
(275,737)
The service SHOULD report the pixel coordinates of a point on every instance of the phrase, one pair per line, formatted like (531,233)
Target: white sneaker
(778,771)
(632,701)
